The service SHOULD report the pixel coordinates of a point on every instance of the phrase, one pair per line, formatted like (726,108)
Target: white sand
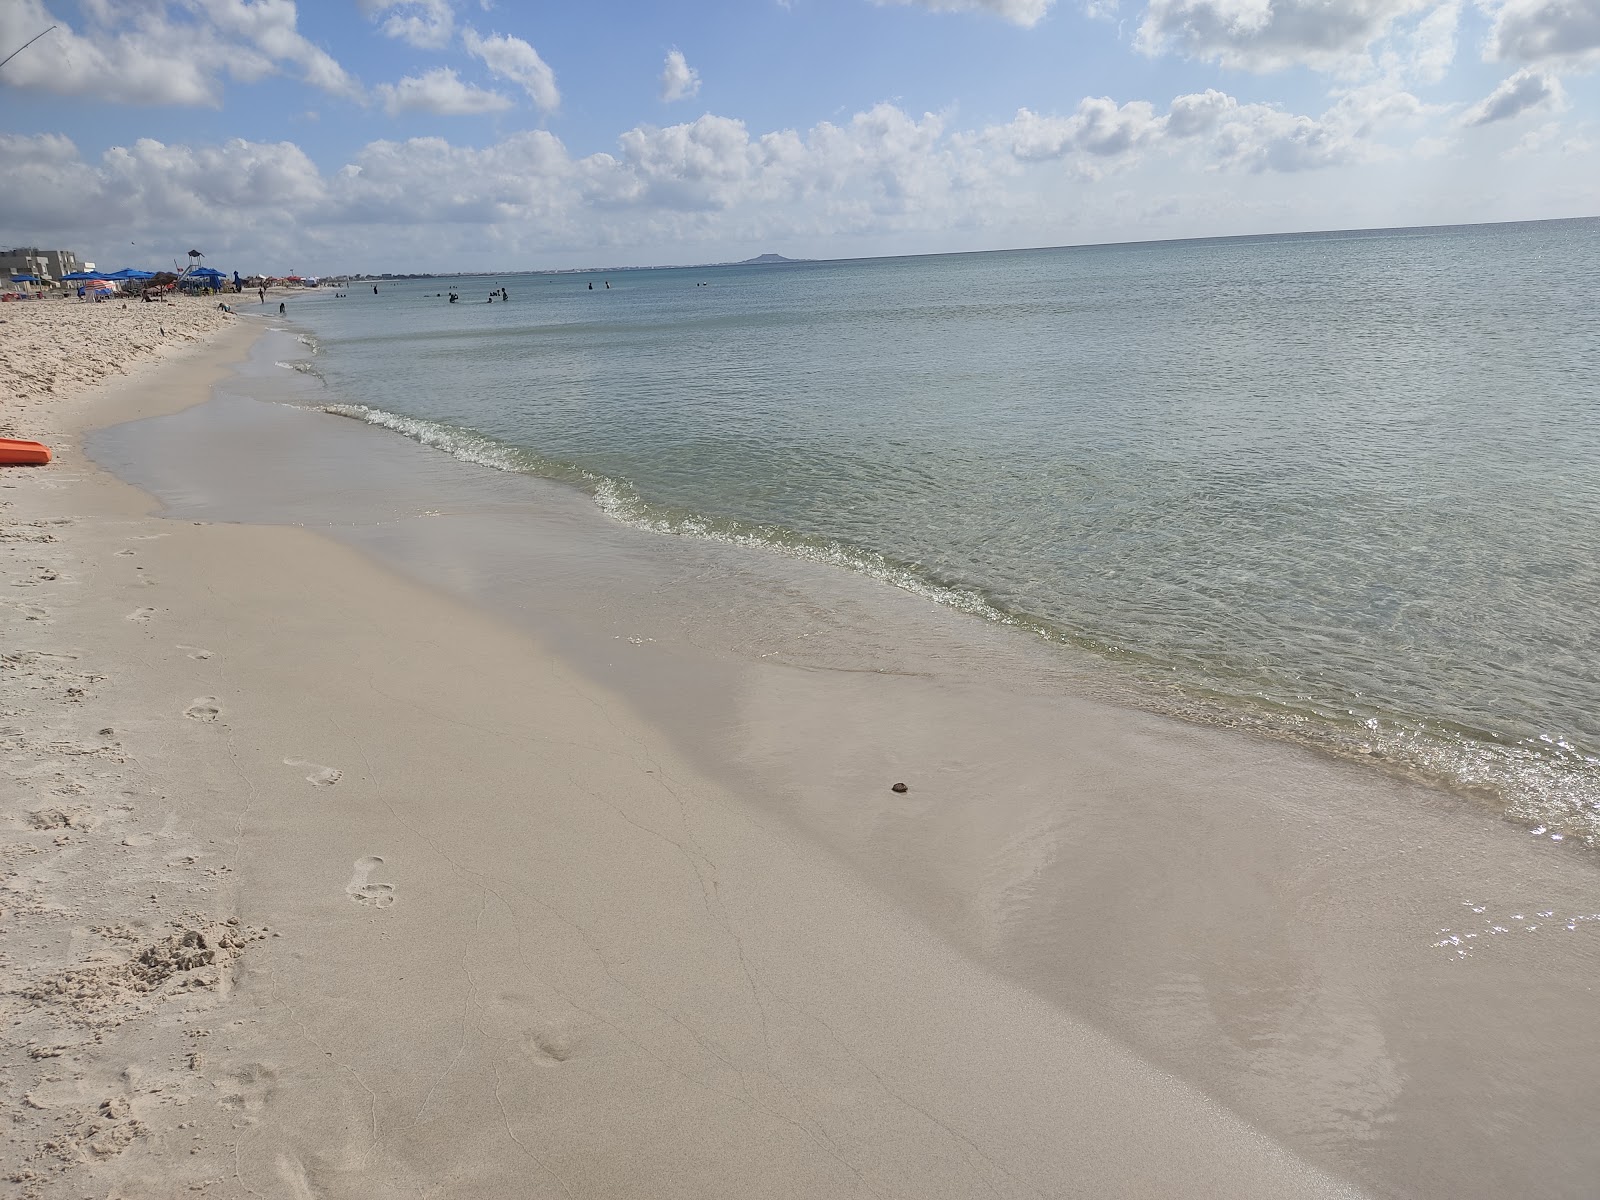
(55,348)
(319,884)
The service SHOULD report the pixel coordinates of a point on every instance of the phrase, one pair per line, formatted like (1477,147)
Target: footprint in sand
(204,708)
(141,615)
(320,775)
(377,895)
(30,612)
(195,652)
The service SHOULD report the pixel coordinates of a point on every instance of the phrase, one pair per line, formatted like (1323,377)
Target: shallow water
(1337,486)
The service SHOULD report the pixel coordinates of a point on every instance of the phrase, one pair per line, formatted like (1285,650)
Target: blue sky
(465,134)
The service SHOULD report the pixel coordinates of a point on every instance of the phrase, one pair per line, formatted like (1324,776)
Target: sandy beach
(50,350)
(290,913)
(327,875)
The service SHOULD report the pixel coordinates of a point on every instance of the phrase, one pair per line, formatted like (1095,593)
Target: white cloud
(270,26)
(1553,31)
(125,52)
(1529,90)
(1100,128)
(439,91)
(679,80)
(1270,35)
(883,176)
(1224,133)
(426,24)
(148,186)
(1019,12)
(1431,47)
(514,59)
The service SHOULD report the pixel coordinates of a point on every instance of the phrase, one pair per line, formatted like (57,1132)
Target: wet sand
(322,882)
(1392,983)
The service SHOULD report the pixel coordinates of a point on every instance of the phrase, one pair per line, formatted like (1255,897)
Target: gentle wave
(1545,782)
(304,366)
(620,500)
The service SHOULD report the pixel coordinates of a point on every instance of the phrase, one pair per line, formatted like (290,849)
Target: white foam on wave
(459,443)
(622,503)
(620,500)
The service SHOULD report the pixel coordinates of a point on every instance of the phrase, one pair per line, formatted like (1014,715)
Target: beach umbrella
(24,279)
(130,273)
(208,272)
(79,276)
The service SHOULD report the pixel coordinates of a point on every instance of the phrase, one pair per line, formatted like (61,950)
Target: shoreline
(278,936)
(1335,957)
(1501,776)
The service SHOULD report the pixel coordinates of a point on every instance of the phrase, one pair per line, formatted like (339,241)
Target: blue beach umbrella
(80,275)
(24,279)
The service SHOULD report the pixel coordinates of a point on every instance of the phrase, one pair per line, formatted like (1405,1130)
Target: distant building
(44,264)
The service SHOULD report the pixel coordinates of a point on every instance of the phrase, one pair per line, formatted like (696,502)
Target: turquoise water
(1341,487)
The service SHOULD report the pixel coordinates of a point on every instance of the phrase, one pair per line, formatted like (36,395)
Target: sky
(333,136)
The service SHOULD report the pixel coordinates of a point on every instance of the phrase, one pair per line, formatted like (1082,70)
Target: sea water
(1339,487)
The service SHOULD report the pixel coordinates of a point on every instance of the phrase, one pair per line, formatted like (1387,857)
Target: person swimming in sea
(282,309)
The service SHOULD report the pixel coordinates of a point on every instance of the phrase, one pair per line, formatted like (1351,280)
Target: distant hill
(763,259)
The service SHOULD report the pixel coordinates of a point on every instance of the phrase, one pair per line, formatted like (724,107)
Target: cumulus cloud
(439,91)
(679,80)
(151,186)
(1270,35)
(514,59)
(1546,31)
(1222,132)
(1529,90)
(125,52)
(883,173)
(1019,12)
(1099,126)
(427,24)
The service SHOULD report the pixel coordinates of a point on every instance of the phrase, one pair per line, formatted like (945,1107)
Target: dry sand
(50,350)
(318,884)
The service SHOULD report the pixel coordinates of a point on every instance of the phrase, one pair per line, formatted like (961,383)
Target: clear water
(1342,487)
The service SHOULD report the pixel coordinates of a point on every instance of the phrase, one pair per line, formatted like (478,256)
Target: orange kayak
(16,453)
